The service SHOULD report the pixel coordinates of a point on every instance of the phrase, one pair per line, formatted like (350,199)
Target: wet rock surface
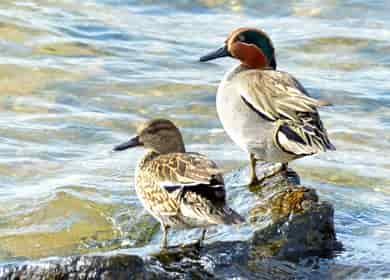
(290,223)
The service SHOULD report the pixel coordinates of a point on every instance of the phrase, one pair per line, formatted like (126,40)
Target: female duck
(266,112)
(180,189)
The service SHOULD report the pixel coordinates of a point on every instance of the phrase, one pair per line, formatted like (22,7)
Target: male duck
(266,112)
(180,189)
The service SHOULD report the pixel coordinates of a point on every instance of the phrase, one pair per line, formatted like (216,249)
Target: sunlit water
(76,77)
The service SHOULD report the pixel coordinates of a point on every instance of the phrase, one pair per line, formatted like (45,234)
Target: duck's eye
(241,38)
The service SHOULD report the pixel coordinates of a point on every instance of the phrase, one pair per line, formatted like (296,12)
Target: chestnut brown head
(251,46)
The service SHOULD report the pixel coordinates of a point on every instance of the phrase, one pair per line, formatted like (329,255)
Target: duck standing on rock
(266,112)
(180,189)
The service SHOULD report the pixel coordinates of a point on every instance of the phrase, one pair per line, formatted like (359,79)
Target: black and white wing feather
(278,97)
(196,184)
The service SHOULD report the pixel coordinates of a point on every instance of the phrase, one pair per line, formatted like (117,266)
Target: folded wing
(190,172)
(197,185)
(278,97)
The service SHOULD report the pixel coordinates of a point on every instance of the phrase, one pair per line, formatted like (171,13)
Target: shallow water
(77,77)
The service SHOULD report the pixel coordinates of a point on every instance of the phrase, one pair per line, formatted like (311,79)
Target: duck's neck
(240,68)
(234,71)
(147,157)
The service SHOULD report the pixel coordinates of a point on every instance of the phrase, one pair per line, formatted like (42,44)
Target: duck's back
(269,113)
(183,190)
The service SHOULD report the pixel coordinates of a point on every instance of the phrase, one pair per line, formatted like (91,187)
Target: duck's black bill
(134,142)
(222,52)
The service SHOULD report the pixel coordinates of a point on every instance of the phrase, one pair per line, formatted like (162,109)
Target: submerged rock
(117,266)
(220,260)
(289,222)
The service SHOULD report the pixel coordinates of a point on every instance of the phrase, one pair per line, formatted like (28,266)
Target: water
(77,77)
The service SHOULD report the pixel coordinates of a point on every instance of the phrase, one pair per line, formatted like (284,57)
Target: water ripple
(77,77)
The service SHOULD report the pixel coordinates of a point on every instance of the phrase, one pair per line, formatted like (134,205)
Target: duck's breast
(244,126)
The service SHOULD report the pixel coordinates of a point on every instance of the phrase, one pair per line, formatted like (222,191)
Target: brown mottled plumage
(181,190)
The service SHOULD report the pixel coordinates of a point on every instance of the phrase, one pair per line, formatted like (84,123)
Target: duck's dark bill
(222,52)
(129,144)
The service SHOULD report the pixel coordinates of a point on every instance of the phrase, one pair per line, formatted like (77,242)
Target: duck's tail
(231,217)
(211,214)
(208,206)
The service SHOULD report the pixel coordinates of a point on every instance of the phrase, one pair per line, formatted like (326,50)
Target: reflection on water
(77,77)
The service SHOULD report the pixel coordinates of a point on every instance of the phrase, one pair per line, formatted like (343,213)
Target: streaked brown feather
(185,168)
(200,194)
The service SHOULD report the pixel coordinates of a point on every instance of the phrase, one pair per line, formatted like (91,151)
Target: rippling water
(76,77)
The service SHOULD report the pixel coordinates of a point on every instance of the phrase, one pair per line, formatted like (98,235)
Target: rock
(289,222)
(117,266)
(219,260)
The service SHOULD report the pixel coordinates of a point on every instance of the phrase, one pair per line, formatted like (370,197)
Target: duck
(179,189)
(266,112)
